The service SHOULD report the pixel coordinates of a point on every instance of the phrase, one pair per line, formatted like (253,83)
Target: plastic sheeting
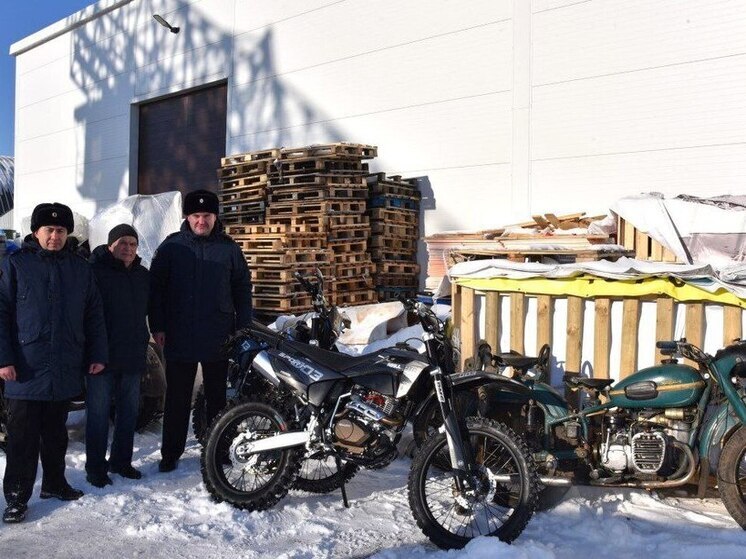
(701,276)
(153,217)
(711,230)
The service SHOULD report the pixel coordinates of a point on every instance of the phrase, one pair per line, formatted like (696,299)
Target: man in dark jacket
(51,332)
(200,293)
(124,284)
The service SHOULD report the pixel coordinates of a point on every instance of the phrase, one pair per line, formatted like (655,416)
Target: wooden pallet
(324,208)
(346,220)
(239,207)
(399,230)
(316,193)
(228,185)
(351,284)
(361,297)
(243,219)
(289,305)
(286,289)
(251,156)
(289,257)
(386,267)
(345,258)
(318,165)
(361,151)
(393,243)
(354,232)
(379,254)
(273,243)
(402,203)
(394,216)
(256,193)
(348,246)
(358,269)
(378,184)
(286,275)
(248,168)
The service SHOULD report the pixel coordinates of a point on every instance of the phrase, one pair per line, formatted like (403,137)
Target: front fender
(716,431)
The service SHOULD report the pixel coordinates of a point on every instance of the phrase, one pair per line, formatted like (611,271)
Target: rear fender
(716,431)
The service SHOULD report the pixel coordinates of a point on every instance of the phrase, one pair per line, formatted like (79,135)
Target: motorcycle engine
(643,444)
(365,418)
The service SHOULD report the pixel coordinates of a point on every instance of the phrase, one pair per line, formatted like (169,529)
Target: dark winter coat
(124,292)
(51,322)
(200,293)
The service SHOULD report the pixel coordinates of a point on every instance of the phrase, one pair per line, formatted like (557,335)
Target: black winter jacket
(200,293)
(51,322)
(124,292)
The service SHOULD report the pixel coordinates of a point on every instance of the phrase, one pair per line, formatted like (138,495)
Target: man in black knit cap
(200,294)
(51,332)
(124,285)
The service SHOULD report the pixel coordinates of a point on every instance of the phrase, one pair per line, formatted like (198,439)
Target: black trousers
(179,385)
(34,429)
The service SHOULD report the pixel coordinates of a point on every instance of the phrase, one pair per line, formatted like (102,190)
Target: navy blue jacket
(124,292)
(200,293)
(51,322)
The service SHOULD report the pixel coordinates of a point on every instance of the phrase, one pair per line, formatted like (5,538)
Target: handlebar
(428,319)
(683,348)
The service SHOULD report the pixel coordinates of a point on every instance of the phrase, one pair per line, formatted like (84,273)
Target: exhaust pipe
(545,480)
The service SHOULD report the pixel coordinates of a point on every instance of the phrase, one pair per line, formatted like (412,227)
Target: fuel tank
(663,386)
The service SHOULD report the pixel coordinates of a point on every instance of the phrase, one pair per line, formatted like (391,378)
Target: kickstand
(344,490)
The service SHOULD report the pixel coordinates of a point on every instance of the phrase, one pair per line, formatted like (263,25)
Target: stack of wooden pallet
(243,187)
(394,218)
(316,200)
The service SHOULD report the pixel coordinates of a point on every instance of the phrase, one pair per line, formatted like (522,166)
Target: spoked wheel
(503,491)
(248,481)
(319,474)
(732,476)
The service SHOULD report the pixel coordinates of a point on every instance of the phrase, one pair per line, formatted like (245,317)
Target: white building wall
(507,107)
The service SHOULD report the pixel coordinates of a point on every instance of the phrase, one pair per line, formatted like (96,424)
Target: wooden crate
(644,247)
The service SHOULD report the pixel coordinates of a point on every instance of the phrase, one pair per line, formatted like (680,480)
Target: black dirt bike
(318,473)
(475,477)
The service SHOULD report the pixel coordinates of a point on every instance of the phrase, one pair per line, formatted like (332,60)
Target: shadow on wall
(126,55)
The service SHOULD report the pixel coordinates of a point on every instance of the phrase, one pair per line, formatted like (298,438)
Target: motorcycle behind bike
(474,477)
(661,427)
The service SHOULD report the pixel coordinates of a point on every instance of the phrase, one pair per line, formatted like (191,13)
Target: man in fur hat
(200,294)
(52,332)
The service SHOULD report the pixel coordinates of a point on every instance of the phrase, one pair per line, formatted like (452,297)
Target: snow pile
(171,515)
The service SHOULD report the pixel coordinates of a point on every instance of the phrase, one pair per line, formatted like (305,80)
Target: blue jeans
(103,390)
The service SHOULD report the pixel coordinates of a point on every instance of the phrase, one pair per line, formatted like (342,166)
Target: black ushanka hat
(200,201)
(52,214)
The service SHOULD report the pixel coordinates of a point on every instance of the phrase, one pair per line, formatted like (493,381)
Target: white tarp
(711,230)
(703,276)
(153,217)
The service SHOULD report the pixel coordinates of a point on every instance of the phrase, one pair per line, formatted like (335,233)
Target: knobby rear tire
(216,471)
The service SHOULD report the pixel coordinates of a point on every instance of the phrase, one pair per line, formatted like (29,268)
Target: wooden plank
(630,320)
(492,320)
(664,323)
(574,351)
(695,327)
(602,338)
(732,325)
(656,250)
(517,321)
(544,318)
(468,324)
(627,234)
(641,245)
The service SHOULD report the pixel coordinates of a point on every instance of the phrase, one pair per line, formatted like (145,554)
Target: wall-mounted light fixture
(165,24)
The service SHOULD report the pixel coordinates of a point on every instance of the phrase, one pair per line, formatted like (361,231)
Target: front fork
(459,446)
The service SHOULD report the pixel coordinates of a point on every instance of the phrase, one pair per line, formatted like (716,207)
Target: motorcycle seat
(588,383)
(516,360)
(338,362)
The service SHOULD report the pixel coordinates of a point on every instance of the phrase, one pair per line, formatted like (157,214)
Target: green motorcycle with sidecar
(661,427)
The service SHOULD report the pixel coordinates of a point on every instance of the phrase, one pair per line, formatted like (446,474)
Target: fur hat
(52,214)
(200,201)
(122,230)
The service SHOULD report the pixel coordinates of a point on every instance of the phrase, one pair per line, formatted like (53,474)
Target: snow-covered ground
(171,515)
